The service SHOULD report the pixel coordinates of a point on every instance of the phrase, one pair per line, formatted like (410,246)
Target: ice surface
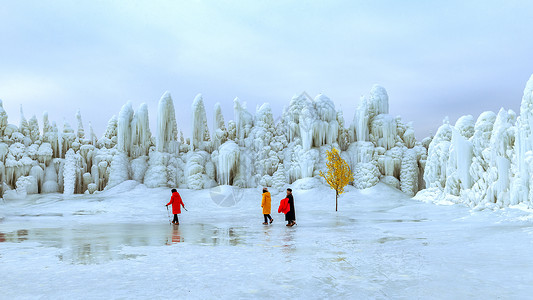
(380,245)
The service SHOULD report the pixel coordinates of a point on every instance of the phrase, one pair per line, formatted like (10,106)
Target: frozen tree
(438,152)
(343,138)
(365,175)
(141,136)
(33,127)
(139,166)
(361,121)
(70,172)
(200,132)
(384,131)
(524,145)
(409,173)
(278,179)
(81,131)
(92,136)
(466,126)
(119,170)
(24,127)
(378,101)
(68,138)
(3,119)
(37,173)
(220,133)
(167,129)
(195,171)
(50,184)
(243,121)
(109,139)
(326,126)
(45,153)
(156,175)
(124,130)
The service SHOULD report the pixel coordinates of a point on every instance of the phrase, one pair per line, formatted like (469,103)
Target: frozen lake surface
(379,245)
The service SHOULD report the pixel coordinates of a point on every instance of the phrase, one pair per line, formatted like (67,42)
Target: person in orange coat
(265,204)
(177,203)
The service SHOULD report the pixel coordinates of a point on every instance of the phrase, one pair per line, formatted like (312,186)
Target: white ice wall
(250,150)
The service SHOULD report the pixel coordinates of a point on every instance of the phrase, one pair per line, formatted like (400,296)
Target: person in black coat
(290,217)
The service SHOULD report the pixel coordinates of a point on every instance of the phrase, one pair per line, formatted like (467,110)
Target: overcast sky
(436,59)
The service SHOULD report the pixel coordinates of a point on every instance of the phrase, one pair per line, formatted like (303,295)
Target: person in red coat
(177,203)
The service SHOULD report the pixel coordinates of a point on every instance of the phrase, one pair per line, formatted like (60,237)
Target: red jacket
(176,202)
(284,206)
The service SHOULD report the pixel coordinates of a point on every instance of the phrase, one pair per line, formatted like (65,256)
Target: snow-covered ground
(379,245)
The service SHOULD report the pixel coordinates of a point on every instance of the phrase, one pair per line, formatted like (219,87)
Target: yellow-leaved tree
(339,173)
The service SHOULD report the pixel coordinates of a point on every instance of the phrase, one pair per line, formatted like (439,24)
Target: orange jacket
(176,202)
(284,206)
(265,203)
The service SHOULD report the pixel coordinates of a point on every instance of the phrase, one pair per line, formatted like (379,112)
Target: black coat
(290,216)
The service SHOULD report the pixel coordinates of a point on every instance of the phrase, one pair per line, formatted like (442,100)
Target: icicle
(228,159)
(45,153)
(50,180)
(37,173)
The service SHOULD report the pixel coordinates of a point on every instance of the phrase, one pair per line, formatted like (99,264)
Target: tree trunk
(336,202)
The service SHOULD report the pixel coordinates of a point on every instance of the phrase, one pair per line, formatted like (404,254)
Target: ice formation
(200,132)
(251,150)
(141,138)
(167,128)
(488,161)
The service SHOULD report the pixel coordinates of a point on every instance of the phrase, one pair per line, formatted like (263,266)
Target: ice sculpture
(490,163)
(484,163)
